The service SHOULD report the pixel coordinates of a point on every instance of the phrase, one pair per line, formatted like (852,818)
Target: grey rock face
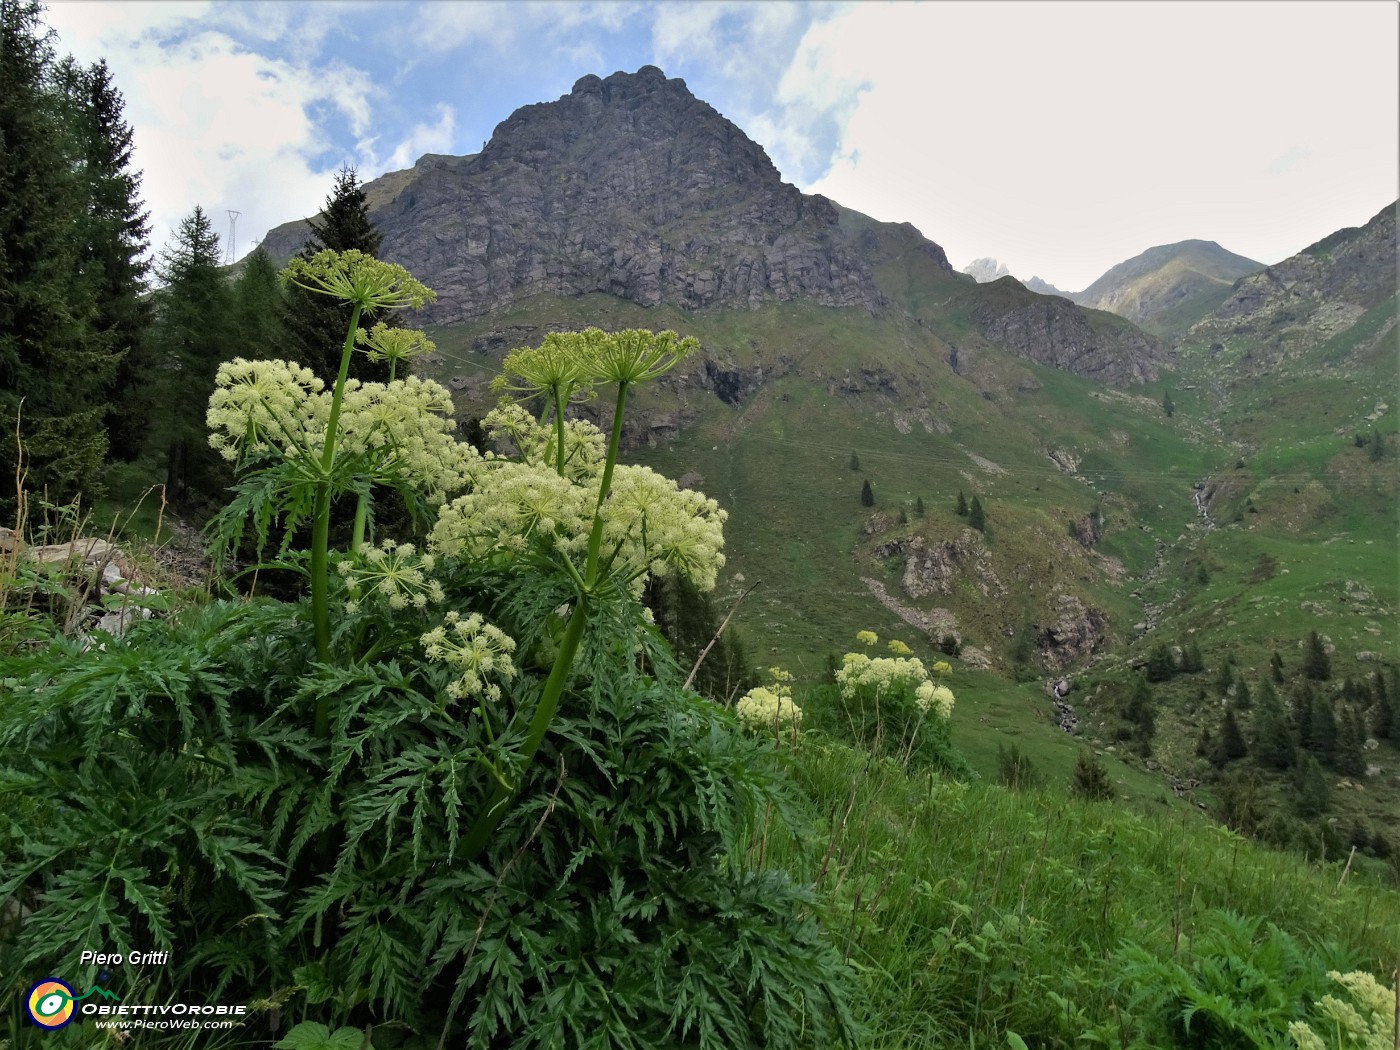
(628,185)
(1057,333)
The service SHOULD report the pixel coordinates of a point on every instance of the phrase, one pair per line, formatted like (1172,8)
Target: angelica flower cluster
(395,573)
(480,650)
(404,427)
(1371,1030)
(649,525)
(585,447)
(771,708)
(882,676)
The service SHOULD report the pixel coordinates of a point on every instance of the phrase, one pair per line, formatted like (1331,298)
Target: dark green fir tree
(55,366)
(316,323)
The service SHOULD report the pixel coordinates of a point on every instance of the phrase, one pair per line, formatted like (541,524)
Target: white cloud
(215,123)
(1066,137)
(421,139)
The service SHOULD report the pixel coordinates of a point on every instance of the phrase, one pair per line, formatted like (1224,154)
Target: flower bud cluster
(480,650)
(395,573)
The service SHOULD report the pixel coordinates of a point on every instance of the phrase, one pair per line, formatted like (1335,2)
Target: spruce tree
(114,235)
(855,461)
(962,504)
(1317,666)
(1160,664)
(1311,789)
(259,308)
(867,494)
(316,323)
(54,366)
(1273,737)
(1232,745)
(1276,667)
(975,517)
(193,335)
(1322,730)
(1090,779)
(1168,405)
(919,506)
(1350,758)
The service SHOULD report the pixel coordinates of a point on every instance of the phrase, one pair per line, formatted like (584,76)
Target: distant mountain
(1040,287)
(985,270)
(632,187)
(1168,288)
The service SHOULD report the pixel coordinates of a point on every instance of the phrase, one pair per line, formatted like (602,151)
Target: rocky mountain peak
(627,185)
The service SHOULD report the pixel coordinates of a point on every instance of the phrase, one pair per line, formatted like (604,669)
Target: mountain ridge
(631,186)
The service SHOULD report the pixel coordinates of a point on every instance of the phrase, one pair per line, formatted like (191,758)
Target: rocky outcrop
(1055,332)
(1079,632)
(1310,297)
(934,568)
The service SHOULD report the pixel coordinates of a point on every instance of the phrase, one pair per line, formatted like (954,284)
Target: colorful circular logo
(50,1003)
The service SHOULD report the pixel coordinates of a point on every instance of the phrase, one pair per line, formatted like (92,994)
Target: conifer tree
(54,367)
(260,307)
(1383,713)
(1243,697)
(114,240)
(316,323)
(855,461)
(1317,666)
(867,494)
(1276,667)
(1350,758)
(1232,745)
(1160,664)
(975,517)
(1311,789)
(1090,779)
(919,506)
(1273,737)
(1168,405)
(962,504)
(1321,733)
(192,335)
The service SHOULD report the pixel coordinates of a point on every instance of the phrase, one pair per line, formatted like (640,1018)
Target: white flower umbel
(479,650)
(395,573)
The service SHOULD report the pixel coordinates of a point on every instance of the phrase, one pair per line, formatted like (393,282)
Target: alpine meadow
(591,593)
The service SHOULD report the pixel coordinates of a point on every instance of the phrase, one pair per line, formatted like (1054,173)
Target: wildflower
(358,280)
(636,355)
(899,648)
(394,345)
(937,699)
(762,708)
(867,638)
(393,572)
(480,650)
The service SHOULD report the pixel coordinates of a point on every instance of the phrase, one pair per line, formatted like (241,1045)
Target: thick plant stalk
(490,816)
(321,526)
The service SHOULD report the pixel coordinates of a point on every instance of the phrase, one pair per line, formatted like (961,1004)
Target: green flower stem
(560,397)
(357,539)
(595,538)
(490,816)
(321,527)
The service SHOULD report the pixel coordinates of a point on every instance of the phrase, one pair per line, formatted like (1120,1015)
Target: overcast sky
(1060,138)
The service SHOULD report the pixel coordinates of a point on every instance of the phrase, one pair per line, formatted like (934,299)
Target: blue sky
(1059,137)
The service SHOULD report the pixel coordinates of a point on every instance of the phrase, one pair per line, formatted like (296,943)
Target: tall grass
(974,911)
